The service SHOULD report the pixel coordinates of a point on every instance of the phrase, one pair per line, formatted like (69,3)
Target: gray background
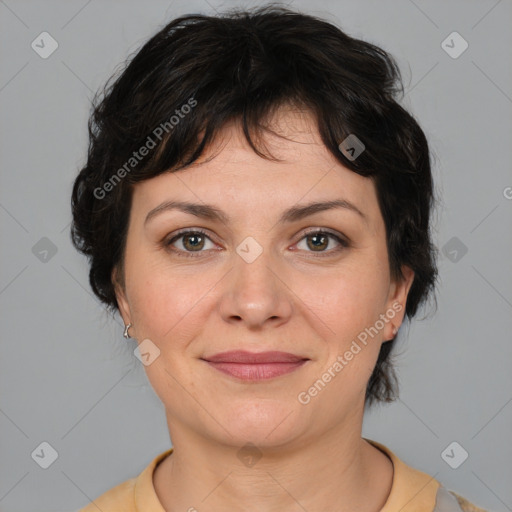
(70,379)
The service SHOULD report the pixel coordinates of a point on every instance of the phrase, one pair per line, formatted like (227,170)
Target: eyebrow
(293,214)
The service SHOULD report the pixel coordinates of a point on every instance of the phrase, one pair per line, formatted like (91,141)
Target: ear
(120,292)
(398,292)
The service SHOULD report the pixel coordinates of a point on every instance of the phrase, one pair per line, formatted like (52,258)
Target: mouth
(251,366)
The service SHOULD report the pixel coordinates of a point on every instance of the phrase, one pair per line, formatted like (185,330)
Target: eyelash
(190,254)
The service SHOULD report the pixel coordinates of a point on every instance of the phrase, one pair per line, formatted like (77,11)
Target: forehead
(232,176)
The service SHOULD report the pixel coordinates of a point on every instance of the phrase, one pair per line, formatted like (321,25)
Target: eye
(318,241)
(194,241)
(191,241)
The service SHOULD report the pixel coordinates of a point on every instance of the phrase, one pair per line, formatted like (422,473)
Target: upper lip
(242,356)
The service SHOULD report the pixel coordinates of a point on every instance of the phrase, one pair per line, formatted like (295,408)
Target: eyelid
(340,238)
(326,231)
(178,234)
(343,241)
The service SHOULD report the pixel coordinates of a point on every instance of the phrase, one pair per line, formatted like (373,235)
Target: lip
(242,356)
(251,366)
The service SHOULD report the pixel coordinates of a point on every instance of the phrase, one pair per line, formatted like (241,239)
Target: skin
(290,298)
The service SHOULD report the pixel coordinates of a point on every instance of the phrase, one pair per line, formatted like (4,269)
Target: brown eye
(318,241)
(193,241)
(190,241)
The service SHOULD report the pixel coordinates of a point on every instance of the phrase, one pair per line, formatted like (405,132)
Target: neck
(336,471)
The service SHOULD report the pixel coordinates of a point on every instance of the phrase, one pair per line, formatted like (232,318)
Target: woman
(256,206)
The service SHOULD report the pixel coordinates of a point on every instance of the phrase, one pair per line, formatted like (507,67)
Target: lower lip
(256,372)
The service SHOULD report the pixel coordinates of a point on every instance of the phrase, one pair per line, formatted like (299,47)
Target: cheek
(347,300)
(166,304)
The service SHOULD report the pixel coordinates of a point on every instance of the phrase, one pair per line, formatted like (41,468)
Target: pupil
(320,240)
(197,237)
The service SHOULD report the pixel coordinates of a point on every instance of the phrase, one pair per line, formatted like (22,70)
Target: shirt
(411,491)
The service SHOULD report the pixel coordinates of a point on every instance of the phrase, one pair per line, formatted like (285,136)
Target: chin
(262,422)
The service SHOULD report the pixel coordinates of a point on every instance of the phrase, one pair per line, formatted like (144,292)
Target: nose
(255,293)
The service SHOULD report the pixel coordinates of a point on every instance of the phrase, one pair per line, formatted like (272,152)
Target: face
(315,285)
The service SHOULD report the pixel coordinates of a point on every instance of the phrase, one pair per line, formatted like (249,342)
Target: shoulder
(415,491)
(120,497)
(135,494)
(446,499)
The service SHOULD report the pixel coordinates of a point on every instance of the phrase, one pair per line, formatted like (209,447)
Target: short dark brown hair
(200,72)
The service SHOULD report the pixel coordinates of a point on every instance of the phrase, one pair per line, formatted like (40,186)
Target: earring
(125,334)
(395,330)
